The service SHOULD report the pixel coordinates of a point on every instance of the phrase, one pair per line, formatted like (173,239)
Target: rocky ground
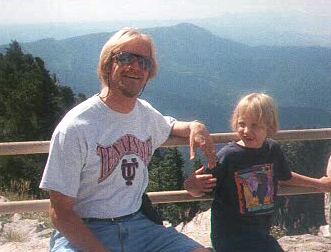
(18,235)
(199,228)
(33,236)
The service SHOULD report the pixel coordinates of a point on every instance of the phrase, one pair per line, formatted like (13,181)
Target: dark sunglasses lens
(126,58)
(145,63)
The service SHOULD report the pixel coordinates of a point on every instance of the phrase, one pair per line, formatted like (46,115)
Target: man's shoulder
(145,107)
(82,110)
(85,106)
(144,103)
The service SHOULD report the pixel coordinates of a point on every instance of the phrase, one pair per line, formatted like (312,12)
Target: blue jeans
(136,234)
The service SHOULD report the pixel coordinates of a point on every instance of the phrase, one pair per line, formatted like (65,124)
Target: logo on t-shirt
(125,145)
(129,169)
(255,189)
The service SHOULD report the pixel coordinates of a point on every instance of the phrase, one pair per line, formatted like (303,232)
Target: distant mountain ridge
(202,75)
(253,28)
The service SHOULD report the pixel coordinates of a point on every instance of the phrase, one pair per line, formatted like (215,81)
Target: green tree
(166,174)
(31,104)
(300,213)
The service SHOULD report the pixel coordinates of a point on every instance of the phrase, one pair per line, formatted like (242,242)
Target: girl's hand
(197,184)
(325,183)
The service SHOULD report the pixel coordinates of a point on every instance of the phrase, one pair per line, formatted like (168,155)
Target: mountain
(202,75)
(271,28)
(265,27)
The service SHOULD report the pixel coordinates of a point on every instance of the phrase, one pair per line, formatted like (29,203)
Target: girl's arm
(197,184)
(323,184)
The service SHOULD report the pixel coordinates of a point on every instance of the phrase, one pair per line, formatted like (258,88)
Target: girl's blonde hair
(115,43)
(261,105)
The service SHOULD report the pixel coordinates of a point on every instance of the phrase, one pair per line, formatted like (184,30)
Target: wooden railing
(35,147)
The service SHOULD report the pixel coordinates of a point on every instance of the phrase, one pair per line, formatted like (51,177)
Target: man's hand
(197,184)
(200,137)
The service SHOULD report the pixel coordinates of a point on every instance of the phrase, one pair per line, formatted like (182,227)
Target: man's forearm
(181,129)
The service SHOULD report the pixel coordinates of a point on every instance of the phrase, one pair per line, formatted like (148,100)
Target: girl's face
(252,133)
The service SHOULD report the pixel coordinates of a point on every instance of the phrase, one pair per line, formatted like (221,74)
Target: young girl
(248,172)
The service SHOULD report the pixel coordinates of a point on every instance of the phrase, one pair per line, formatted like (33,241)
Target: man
(96,171)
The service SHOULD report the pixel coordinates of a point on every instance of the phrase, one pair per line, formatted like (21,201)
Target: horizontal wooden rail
(23,206)
(37,147)
(281,135)
(156,198)
(18,148)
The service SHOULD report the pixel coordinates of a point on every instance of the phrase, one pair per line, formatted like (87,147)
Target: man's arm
(67,222)
(323,184)
(198,137)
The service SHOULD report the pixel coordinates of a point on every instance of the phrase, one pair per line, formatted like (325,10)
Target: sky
(45,11)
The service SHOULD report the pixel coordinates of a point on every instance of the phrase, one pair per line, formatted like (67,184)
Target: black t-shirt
(247,181)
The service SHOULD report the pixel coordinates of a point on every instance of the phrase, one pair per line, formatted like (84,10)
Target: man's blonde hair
(262,106)
(114,44)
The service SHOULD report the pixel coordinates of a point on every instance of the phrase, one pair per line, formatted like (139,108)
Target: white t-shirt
(100,157)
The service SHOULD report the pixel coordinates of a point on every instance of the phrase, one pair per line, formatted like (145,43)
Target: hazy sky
(31,11)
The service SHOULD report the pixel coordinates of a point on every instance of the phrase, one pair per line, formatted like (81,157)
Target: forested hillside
(31,104)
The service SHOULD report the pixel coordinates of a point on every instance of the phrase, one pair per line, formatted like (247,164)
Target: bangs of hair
(260,105)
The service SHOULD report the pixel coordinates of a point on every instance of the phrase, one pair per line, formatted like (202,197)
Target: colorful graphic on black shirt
(255,189)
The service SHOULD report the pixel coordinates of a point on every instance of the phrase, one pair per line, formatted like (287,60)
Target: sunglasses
(127,58)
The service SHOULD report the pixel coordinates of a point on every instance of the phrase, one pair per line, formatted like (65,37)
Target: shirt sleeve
(282,170)
(64,164)
(163,126)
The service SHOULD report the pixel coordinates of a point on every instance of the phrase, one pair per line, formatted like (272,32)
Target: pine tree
(31,104)
(300,213)
(166,174)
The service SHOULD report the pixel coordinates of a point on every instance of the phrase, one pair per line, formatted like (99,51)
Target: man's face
(130,78)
